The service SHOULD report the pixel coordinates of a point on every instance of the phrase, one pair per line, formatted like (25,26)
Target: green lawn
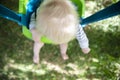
(102,63)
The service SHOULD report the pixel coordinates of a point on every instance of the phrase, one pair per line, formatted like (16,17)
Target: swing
(23,7)
(27,7)
(26,31)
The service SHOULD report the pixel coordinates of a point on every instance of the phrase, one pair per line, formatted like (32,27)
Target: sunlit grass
(69,69)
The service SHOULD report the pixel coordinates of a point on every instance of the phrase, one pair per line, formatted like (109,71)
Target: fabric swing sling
(23,7)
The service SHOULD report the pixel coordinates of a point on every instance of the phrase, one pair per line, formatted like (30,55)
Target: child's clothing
(82,38)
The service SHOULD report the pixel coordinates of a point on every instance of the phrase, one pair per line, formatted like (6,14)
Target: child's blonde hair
(57,20)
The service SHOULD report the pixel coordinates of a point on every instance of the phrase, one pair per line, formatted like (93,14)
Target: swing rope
(9,14)
(24,19)
(31,7)
(108,12)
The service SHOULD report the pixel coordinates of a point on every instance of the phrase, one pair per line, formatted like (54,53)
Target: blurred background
(102,63)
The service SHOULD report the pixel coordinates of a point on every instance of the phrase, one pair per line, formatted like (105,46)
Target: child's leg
(37,45)
(63,49)
(36,49)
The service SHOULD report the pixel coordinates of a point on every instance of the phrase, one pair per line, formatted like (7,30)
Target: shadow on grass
(105,42)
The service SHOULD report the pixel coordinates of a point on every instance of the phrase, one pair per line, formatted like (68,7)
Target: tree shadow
(106,42)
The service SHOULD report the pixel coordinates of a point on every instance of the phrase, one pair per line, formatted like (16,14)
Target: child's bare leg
(37,45)
(63,50)
(36,50)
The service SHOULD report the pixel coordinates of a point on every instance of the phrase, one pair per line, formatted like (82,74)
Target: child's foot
(65,57)
(36,59)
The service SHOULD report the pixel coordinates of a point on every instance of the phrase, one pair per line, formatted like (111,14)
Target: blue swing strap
(9,14)
(24,19)
(110,11)
(31,7)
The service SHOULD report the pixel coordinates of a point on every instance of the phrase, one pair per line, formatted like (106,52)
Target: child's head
(58,20)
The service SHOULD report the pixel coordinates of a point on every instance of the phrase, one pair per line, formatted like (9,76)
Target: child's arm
(83,40)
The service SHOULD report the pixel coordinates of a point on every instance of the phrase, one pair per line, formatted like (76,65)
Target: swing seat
(22,10)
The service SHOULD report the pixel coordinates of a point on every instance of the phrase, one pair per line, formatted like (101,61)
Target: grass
(102,63)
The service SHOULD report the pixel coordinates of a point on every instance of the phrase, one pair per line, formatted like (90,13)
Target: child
(57,20)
